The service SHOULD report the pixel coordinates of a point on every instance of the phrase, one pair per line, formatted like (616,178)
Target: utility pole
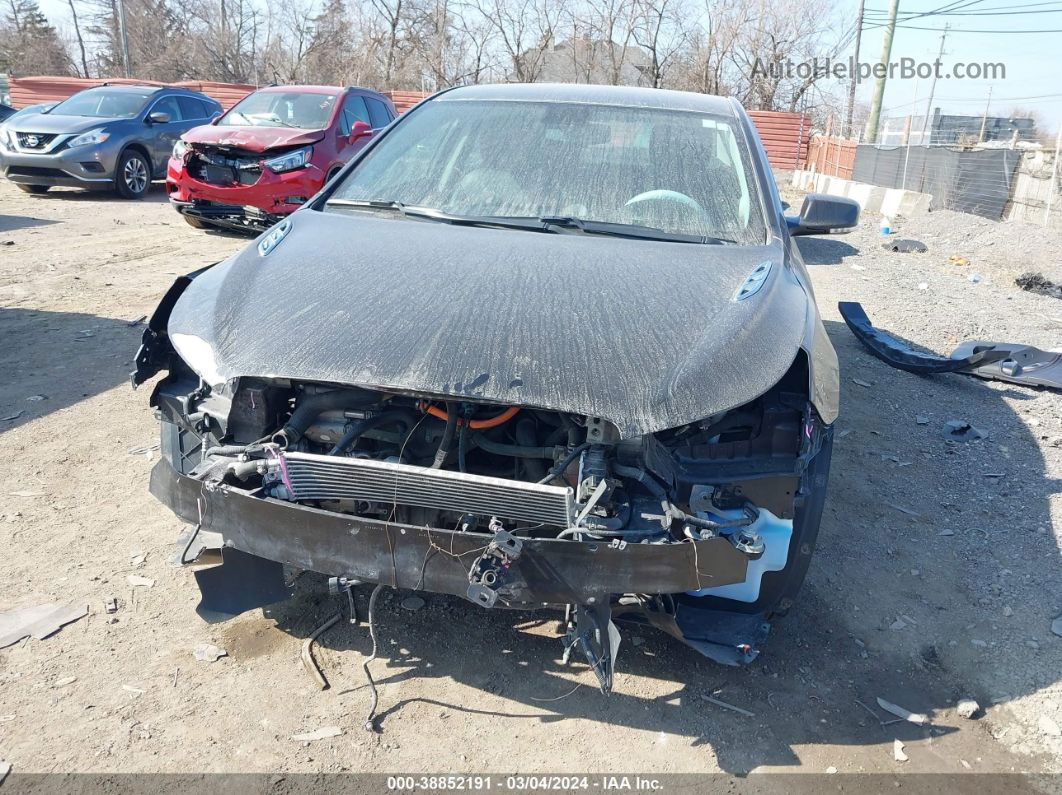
(879,87)
(932,88)
(853,78)
(123,34)
(984,118)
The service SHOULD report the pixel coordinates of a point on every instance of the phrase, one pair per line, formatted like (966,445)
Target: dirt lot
(937,575)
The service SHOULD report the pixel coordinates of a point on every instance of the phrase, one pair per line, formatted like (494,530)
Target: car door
(162,136)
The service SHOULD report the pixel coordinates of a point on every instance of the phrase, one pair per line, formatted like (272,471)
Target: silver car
(106,138)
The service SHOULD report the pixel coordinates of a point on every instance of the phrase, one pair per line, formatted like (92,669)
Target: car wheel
(191,220)
(33,188)
(133,177)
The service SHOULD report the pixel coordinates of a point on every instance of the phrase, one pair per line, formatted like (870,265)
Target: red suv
(270,153)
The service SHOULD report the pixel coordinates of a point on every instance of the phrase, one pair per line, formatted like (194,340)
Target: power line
(959,12)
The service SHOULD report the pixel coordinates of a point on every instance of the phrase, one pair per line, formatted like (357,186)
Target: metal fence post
(1054,178)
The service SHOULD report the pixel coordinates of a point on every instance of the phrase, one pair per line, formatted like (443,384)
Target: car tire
(37,189)
(191,220)
(132,177)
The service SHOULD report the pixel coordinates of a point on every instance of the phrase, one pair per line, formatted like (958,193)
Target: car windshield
(103,103)
(281,109)
(682,172)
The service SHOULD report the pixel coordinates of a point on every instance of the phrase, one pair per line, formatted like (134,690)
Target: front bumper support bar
(549,571)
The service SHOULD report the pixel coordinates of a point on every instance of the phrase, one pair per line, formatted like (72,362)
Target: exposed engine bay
(222,165)
(498,480)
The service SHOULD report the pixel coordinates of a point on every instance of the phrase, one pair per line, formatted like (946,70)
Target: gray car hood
(47,123)
(645,334)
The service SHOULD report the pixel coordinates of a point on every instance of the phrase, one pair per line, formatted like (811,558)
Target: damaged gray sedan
(537,346)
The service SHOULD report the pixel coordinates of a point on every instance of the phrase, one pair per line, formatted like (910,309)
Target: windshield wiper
(432,214)
(628,230)
(546,223)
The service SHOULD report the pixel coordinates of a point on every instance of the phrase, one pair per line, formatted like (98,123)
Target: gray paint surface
(644,334)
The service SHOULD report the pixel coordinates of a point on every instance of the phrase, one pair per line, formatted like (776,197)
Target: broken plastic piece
(1023,364)
(39,621)
(592,630)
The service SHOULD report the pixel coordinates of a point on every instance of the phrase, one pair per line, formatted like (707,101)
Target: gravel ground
(937,575)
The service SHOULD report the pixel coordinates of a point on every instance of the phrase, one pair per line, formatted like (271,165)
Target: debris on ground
(39,622)
(1038,283)
(1024,364)
(208,652)
(140,582)
(912,717)
(412,603)
(5,768)
(1056,626)
(967,708)
(320,734)
(64,681)
(962,431)
(724,705)
(921,419)
(897,751)
(906,246)
(110,605)
(308,662)
(955,259)
(1049,726)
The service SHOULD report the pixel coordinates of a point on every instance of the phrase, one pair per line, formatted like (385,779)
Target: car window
(378,115)
(168,105)
(192,108)
(680,171)
(103,103)
(354,110)
(302,110)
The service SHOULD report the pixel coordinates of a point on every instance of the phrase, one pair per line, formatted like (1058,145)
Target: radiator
(320,477)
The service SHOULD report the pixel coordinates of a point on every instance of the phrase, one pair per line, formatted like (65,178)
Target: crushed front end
(704,530)
(240,189)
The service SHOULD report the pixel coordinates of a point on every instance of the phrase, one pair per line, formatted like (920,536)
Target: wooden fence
(784,135)
(832,155)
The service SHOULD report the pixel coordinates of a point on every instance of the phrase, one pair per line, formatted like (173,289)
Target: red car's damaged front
(270,153)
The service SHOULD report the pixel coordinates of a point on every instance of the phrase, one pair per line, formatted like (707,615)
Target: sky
(1032,61)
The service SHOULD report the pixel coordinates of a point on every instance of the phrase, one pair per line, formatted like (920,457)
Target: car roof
(304,89)
(319,89)
(629,96)
(125,88)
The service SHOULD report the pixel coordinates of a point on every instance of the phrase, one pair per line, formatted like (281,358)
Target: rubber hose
(447,437)
(524,433)
(310,407)
(403,417)
(643,477)
(512,450)
(565,462)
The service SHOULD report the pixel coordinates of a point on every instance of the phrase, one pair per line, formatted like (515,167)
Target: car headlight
(179,148)
(5,138)
(90,137)
(198,355)
(289,161)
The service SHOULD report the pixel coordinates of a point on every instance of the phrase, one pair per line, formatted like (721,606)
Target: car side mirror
(823,214)
(158,117)
(359,130)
